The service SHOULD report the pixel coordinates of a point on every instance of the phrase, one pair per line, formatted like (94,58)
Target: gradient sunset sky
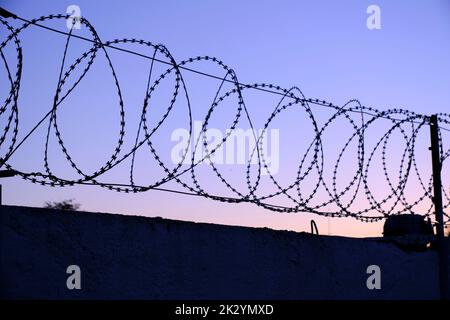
(322,47)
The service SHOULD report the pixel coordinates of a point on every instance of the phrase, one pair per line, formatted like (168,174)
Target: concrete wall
(131,257)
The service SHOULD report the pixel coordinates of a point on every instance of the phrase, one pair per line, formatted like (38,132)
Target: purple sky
(322,47)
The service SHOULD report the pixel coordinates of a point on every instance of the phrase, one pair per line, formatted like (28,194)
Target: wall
(130,257)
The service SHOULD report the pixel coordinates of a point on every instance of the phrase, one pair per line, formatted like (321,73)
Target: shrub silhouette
(62,205)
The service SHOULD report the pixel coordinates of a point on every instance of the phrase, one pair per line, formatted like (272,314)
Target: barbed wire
(312,162)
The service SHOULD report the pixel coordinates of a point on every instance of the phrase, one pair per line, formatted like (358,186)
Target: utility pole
(437,200)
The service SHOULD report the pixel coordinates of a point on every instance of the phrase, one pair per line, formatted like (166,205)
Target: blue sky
(322,47)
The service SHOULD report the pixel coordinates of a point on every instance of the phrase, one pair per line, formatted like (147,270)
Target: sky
(322,47)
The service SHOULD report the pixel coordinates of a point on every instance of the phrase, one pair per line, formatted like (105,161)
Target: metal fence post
(437,200)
